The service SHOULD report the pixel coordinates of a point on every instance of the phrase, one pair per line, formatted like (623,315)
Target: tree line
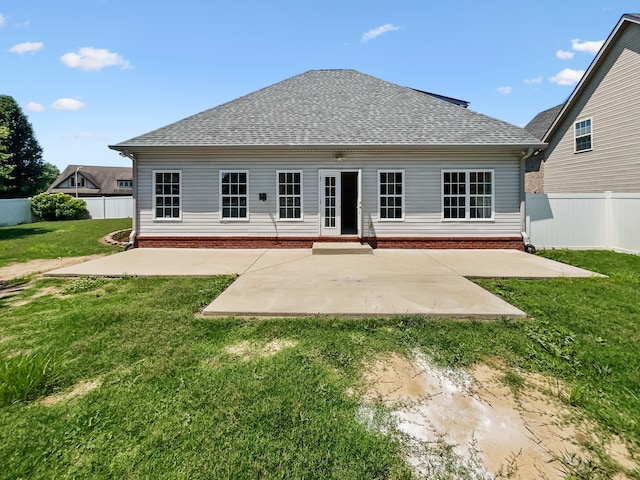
(23,172)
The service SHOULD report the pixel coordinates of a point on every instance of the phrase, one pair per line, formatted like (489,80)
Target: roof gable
(104,178)
(334,108)
(626,20)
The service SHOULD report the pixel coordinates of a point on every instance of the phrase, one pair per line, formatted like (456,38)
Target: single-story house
(594,137)
(331,155)
(93,181)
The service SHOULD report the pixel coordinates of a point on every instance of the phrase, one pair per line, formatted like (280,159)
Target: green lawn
(174,401)
(71,238)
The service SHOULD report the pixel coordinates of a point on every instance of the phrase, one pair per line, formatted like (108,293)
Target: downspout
(134,219)
(528,247)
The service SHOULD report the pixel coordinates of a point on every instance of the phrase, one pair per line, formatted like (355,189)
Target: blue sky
(89,73)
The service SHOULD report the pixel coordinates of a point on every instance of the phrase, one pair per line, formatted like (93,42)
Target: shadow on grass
(14,233)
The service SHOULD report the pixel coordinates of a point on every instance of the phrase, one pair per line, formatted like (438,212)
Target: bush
(27,376)
(58,206)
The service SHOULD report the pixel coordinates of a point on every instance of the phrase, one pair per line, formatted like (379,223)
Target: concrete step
(341,248)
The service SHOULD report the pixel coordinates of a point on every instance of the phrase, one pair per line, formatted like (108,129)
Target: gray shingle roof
(105,178)
(334,107)
(539,125)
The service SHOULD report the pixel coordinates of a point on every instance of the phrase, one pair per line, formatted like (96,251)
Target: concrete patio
(294,282)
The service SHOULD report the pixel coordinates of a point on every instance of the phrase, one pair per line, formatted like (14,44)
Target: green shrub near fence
(58,206)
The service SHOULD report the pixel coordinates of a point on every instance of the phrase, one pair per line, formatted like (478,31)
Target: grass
(182,396)
(72,238)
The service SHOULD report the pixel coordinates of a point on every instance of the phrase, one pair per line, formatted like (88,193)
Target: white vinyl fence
(14,211)
(607,220)
(109,207)
(17,211)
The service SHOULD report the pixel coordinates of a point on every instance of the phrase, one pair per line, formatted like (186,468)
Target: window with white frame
(125,183)
(289,195)
(233,195)
(582,132)
(467,194)
(167,198)
(391,194)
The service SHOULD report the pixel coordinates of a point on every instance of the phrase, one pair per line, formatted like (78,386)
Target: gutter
(134,220)
(528,247)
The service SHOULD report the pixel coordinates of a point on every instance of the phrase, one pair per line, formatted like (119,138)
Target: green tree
(5,166)
(21,165)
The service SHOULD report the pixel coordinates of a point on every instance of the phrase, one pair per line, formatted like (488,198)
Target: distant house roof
(104,178)
(586,78)
(455,101)
(539,125)
(334,108)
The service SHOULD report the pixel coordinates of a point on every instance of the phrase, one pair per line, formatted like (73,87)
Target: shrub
(26,376)
(58,206)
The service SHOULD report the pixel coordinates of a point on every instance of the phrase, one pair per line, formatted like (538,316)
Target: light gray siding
(611,98)
(423,213)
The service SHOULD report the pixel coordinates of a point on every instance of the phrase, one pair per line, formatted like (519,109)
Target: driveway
(293,282)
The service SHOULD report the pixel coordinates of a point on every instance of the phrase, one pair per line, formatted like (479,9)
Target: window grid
(391,195)
(330,201)
(290,195)
(583,135)
(454,199)
(233,195)
(167,196)
(467,195)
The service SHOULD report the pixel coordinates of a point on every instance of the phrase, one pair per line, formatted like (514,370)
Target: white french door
(330,206)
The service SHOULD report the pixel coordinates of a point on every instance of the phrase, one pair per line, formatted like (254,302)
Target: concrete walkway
(293,282)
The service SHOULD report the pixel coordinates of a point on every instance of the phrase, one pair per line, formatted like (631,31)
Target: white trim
(575,137)
(220,195)
(153,193)
(467,195)
(402,199)
(301,218)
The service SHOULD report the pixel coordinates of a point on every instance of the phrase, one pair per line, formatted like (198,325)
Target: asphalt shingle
(335,107)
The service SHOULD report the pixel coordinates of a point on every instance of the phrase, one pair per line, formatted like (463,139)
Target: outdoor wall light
(262,196)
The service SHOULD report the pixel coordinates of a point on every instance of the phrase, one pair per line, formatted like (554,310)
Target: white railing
(607,220)
(18,210)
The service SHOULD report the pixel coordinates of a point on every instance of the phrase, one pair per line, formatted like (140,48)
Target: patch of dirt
(248,350)
(487,427)
(80,389)
(40,293)
(21,269)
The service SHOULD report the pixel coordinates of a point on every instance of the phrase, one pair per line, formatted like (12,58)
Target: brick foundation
(306,242)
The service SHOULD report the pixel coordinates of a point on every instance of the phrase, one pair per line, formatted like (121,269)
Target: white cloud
(530,81)
(376,32)
(94,59)
(34,107)
(3,22)
(67,104)
(564,55)
(568,76)
(504,90)
(27,47)
(590,47)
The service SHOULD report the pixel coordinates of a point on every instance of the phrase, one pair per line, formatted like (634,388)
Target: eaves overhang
(332,148)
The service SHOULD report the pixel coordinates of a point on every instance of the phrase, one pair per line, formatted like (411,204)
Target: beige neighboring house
(93,181)
(594,137)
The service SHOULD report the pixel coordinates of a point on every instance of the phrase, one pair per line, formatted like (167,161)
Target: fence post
(608,220)
(104,207)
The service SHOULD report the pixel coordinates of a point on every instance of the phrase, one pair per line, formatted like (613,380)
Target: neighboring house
(331,155)
(92,181)
(594,137)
